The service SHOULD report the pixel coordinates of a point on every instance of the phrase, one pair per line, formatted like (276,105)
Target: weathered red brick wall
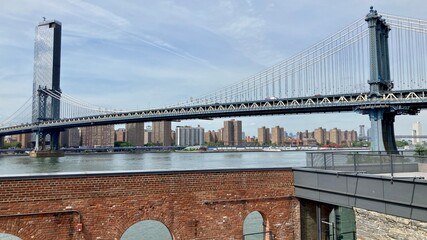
(192,204)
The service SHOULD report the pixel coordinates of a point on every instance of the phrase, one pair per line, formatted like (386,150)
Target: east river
(161,161)
(105,162)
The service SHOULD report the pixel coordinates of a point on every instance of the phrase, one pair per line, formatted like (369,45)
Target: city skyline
(185,53)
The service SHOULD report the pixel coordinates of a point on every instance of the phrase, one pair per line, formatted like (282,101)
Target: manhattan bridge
(375,66)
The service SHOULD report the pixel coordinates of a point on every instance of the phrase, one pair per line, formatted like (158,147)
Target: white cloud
(98,14)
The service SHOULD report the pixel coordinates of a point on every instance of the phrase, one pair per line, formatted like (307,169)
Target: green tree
(122,144)
(361,144)
(401,143)
(420,150)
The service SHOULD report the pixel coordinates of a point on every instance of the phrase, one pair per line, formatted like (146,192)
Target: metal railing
(369,162)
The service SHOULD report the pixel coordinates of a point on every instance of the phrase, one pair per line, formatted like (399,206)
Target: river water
(16,165)
(106,162)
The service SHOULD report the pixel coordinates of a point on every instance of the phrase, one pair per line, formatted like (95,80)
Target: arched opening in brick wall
(255,227)
(147,230)
(5,236)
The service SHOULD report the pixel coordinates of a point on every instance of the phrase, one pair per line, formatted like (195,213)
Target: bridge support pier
(54,140)
(40,145)
(382,130)
(1,142)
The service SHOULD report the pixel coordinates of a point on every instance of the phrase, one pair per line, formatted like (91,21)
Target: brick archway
(141,227)
(249,217)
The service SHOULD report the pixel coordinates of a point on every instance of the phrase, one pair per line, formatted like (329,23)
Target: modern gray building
(47,62)
(189,136)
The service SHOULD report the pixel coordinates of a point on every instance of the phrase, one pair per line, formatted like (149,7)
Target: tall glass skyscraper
(47,62)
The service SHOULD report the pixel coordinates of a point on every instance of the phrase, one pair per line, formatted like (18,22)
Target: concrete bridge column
(382,130)
(1,142)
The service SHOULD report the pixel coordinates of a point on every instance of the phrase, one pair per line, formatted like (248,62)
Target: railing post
(324,160)
(333,162)
(311,156)
(392,166)
(354,162)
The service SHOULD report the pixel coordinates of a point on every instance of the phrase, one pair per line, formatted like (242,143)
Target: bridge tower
(47,62)
(381,116)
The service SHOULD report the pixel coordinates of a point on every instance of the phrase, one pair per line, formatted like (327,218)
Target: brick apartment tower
(70,138)
(232,135)
(162,133)
(320,135)
(97,136)
(335,136)
(263,135)
(277,135)
(135,134)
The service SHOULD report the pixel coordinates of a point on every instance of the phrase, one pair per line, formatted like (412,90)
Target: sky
(139,54)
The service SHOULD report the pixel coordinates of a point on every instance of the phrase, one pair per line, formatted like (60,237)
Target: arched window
(5,236)
(147,230)
(255,227)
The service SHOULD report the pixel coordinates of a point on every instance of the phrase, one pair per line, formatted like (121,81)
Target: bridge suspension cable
(334,65)
(408,51)
(70,107)
(22,115)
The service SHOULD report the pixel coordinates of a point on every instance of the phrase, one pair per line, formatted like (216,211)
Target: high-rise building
(277,135)
(335,136)
(416,131)
(320,135)
(232,133)
(24,139)
(148,135)
(237,133)
(362,135)
(211,136)
(97,136)
(70,138)
(120,135)
(189,136)
(220,135)
(162,133)
(135,134)
(47,61)
(263,135)
(173,137)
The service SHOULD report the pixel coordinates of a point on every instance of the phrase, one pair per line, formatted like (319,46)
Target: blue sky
(141,54)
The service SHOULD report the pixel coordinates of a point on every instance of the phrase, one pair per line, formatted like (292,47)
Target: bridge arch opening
(255,227)
(147,230)
(6,236)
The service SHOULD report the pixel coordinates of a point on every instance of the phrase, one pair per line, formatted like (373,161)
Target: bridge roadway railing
(329,103)
(366,161)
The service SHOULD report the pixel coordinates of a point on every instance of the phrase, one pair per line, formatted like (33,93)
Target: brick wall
(193,205)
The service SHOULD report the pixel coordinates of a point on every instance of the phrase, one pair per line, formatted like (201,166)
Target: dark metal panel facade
(395,196)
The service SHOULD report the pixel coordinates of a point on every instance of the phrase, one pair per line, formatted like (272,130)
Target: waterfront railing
(369,162)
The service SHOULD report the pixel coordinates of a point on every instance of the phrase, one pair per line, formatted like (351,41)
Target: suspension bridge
(374,66)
